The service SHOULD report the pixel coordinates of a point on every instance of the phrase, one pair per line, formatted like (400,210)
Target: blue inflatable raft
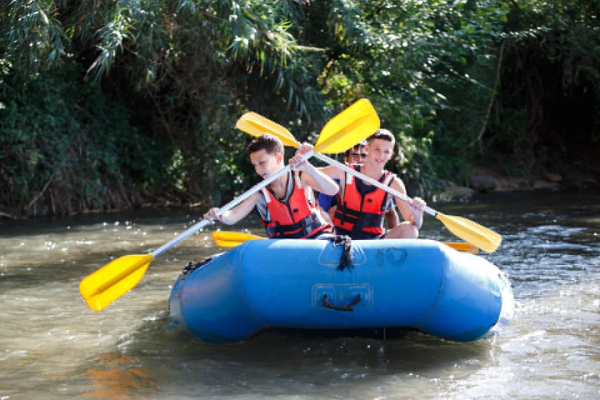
(421,284)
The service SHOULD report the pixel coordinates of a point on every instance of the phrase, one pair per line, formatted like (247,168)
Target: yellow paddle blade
(116,278)
(463,247)
(227,243)
(257,125)
(472,232)
(233,239)
(354,124)
(235,236)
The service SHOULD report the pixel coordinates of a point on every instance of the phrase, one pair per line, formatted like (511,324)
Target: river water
(52,346)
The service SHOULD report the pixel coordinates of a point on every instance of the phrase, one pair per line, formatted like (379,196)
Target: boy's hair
(357,146)
(382,134)
(267,142)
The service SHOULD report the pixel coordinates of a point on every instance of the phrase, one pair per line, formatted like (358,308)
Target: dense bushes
(546,115)
(117,103)
(65,148)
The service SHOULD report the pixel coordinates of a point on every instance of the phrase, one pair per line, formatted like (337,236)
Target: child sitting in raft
(355,155)
(361,207)
(287,207)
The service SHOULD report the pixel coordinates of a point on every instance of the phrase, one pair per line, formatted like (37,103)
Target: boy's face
(358,154)
(266,164)
(379,152)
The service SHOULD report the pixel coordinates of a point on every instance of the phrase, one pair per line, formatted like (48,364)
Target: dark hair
(270,143)
(382,134)
(357,146)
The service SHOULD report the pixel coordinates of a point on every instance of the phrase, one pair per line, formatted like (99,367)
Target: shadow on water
(277,362)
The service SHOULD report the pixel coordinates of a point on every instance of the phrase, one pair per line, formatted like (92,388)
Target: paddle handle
(373,182)
(194,228)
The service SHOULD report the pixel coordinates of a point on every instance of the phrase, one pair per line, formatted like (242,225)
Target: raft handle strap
(347,307)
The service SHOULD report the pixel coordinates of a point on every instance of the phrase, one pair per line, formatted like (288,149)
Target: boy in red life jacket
(361,207)
(355,155)
(287,206)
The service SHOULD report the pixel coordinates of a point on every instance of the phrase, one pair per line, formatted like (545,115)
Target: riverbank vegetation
(122,104)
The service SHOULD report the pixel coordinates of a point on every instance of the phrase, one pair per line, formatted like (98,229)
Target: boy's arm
(392,216)
(232,216)
(412,213)
(333,172)
(319,181)
(313,177)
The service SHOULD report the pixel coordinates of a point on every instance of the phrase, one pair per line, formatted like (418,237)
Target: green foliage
(416,61)
(546,108)
(142,96)
(31,37)
(66,149)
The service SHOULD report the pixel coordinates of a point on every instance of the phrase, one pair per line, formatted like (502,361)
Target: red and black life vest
(297,218)
(360,215)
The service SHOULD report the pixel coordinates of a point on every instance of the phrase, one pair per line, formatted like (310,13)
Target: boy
(287,207)
(361,206)
(355,155)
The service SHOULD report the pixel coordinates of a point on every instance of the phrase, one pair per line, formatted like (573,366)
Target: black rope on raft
(346,243)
